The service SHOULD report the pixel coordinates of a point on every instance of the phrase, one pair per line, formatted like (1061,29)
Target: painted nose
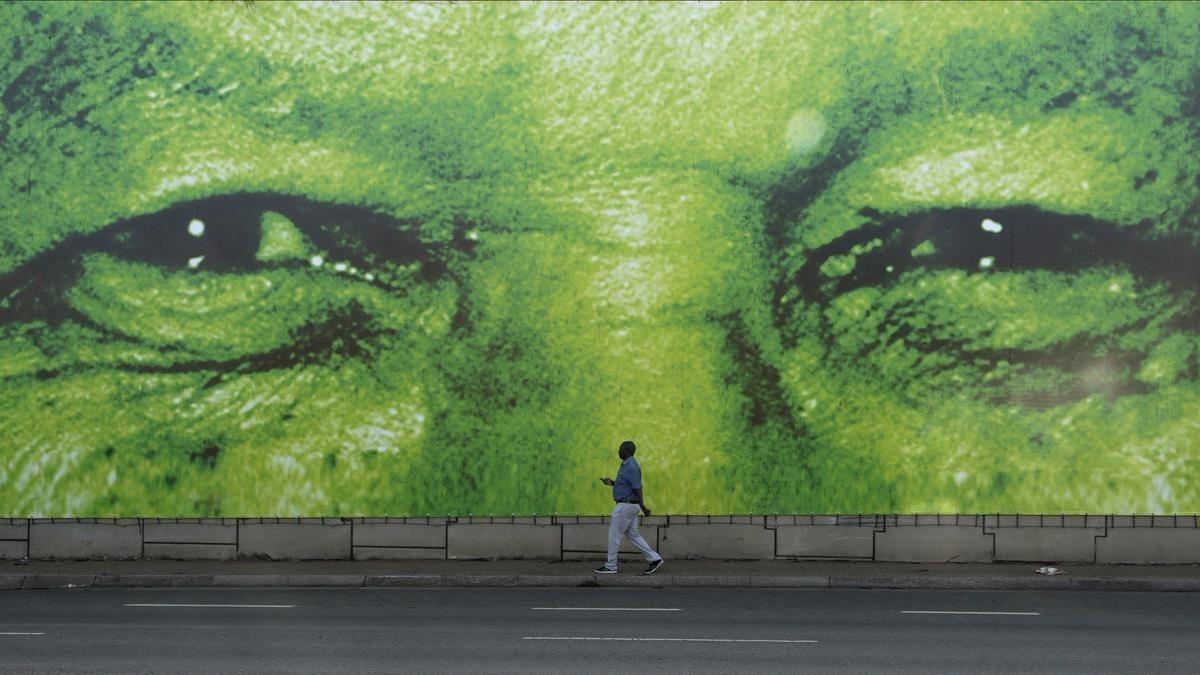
(647,267)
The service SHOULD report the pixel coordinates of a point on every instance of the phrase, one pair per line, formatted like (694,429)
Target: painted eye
(1016,239)
(1019,305)
(246,283)
(241,233)
(176,276)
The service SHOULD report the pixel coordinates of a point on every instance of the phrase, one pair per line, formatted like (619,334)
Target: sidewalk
(41,574)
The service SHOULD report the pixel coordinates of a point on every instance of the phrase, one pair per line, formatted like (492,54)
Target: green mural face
(351,259)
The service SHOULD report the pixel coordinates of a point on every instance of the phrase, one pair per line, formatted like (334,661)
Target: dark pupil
(215,235)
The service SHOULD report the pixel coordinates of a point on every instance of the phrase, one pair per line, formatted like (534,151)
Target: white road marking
(22,633)
(927,611)
(151,604)
(646,639)
(609,609)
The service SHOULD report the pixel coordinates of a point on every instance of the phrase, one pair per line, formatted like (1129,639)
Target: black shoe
(604,570)
(654,566)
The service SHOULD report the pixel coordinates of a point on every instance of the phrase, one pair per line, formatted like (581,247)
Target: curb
(71,581)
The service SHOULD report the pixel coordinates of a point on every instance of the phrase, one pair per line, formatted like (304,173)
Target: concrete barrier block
(290,540)
(825,542)
(1164,545)
(14,530)
(189,533)
(400,541)
(85,539)
(947,543)
(1046,544)
(593,539)
(400,535)
(12,550)
(163,551)
(717,541)
(503,540)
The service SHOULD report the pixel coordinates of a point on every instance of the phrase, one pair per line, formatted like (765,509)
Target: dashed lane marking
(649,639)
(609,609)
(153,604)
(930,611)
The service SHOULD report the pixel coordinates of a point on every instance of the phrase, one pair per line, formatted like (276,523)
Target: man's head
(626,450)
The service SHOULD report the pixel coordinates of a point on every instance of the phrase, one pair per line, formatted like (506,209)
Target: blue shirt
(629,478)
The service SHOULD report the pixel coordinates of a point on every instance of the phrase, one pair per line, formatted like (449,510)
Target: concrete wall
(913,538)
(481,538)
(116,538)
(382,538)
(190,539)
(729,537)
(1150,539)
(837,537)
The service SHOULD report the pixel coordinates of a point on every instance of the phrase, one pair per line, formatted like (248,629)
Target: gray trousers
(625,524)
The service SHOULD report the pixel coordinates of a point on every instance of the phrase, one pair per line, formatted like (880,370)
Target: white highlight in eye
(316,261)
(986,262)
(193,263)
(992,226)
(196,227)
(804,131)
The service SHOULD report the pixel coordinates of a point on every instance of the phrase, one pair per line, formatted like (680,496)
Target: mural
(344,259)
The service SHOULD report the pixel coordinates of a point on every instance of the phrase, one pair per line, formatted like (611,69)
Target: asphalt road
(596,630)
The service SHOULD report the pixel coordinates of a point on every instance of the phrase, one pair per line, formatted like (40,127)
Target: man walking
(627,493)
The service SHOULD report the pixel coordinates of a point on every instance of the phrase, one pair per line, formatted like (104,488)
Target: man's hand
(607,481)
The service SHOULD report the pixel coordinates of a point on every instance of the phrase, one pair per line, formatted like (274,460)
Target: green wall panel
(335,259)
